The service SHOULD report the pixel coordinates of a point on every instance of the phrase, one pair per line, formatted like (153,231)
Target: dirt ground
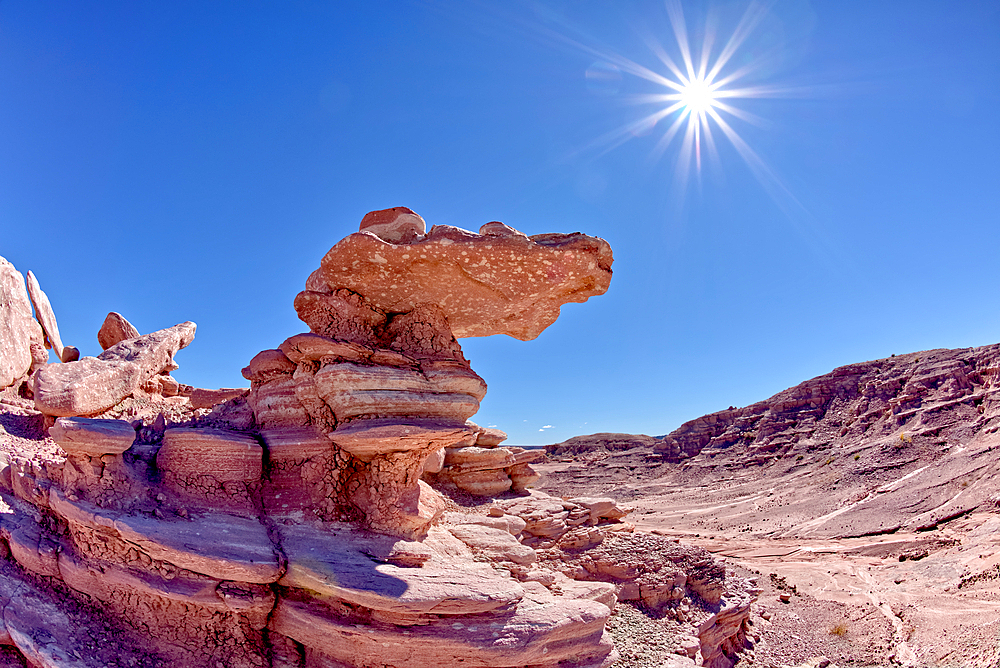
(910,598)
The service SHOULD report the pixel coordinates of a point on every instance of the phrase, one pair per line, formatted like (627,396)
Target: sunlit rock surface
(297,523)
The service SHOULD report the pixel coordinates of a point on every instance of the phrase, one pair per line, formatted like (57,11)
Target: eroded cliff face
(146,522)
(901,443)
(874,489)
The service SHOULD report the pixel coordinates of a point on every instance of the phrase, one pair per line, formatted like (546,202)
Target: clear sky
(194,161)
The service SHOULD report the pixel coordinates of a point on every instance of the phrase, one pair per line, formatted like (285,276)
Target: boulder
(525,456)
(19,331)
(545,516)
(602,592)
(398,225)
(434,462)
(268,364)
(474,458)
(115,330)
(483,483)
(600,508)
(498,229)
(522,476)
(512,524)
(95,384)
(490,437)
(202,398)
(311,347)
(367,438)
(92,437)
(352,390)
(45,316)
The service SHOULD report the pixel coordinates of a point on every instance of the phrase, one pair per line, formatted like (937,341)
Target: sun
(697,96)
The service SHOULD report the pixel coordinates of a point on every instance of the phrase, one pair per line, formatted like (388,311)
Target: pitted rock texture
(485,284)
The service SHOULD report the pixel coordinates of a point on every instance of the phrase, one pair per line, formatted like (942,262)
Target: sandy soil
(912,598)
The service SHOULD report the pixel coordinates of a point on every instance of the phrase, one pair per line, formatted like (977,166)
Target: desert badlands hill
(344,512)
(869,496)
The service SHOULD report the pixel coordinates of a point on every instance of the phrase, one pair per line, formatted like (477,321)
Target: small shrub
(839,630)
(857,457)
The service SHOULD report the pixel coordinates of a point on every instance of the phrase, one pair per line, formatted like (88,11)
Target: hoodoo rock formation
(380,384)
(148,523)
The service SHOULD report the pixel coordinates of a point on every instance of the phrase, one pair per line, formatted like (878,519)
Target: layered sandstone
(289,525)
(479,466)
(929,417)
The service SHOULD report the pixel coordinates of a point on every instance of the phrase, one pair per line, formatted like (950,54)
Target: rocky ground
(864,501)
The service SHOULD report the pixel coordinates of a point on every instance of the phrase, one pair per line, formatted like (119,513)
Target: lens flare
(695,103)
(697,96)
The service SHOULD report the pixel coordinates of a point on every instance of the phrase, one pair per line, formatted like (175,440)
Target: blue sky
(194,161)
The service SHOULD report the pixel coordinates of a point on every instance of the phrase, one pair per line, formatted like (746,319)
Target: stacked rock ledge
(306,532)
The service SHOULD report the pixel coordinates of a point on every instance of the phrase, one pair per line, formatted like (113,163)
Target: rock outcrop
(94,384)
(607,442)
(496,282)
(681,583)
(873,489)
(291,526)
(21,337)
(381,372)
(480,467)
(47,319)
